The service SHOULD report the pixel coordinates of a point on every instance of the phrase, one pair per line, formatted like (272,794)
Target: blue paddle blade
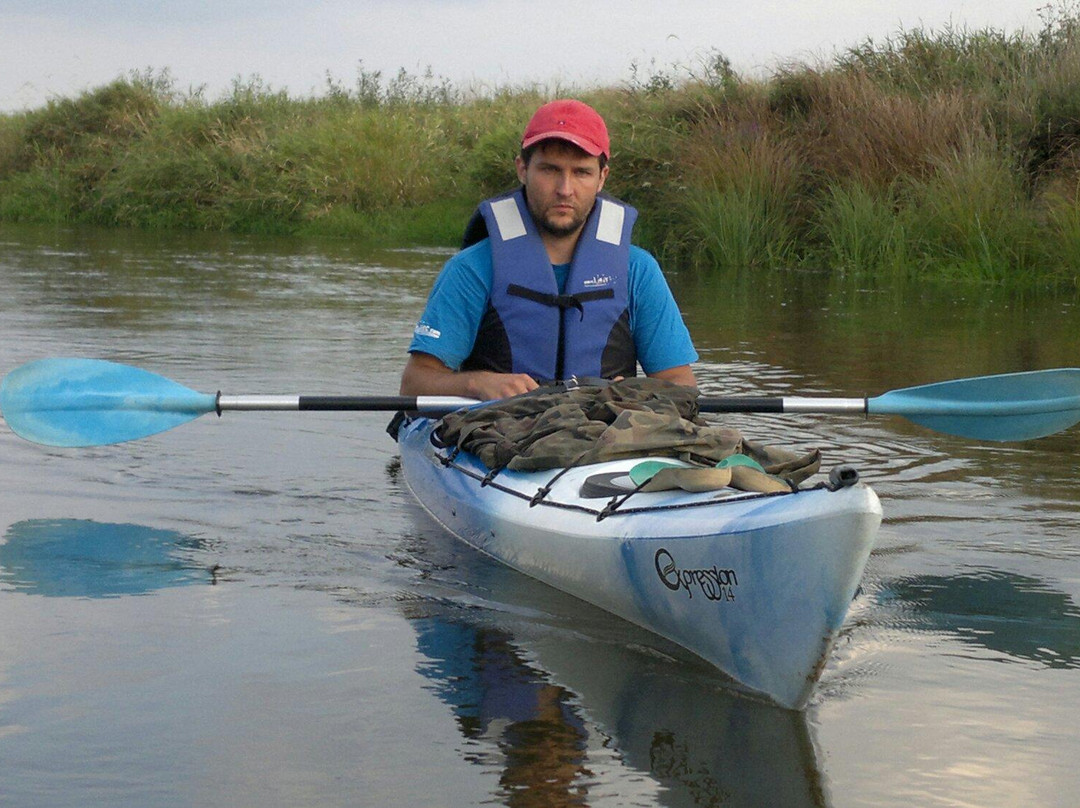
(1010,406)
(91,402)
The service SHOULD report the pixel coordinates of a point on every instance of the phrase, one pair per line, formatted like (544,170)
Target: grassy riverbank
(950,154)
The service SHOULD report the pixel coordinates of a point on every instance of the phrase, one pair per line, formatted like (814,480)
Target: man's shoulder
(641,260)
(478,252)
(474,255)
(474,260)
(465,274)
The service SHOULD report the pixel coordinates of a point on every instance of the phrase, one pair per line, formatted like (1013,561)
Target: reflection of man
(500,698)
(556,289)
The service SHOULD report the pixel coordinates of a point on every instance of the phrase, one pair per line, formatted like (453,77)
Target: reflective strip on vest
(508,219)
(610,226)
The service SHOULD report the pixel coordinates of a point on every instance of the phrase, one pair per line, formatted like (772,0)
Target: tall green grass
(859,231)
(742,202)
(971,216)
(952,153)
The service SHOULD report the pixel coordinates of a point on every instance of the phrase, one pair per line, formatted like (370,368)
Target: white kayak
(756,584)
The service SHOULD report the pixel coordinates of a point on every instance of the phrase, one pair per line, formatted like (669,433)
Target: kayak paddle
(1003,407)
(92,402)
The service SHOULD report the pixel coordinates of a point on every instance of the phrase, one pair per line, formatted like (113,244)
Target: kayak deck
(756,584)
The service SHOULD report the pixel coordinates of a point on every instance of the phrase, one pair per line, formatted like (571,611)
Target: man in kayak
(552,288)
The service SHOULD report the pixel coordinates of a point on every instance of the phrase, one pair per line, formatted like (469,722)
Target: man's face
(561,183)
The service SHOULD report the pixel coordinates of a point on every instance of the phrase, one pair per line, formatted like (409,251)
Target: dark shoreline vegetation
(948,155)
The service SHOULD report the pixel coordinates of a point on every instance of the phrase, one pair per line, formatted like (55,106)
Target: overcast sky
(52,48)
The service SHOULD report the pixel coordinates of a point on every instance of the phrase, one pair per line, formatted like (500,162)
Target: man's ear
(519,164)
(603,176)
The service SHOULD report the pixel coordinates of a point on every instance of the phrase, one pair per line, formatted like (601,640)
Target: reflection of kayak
(546,708)
(756,584)
(703,746)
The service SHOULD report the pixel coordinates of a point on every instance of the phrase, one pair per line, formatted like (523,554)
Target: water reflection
(534,710)
(156,280)
(853,338)
(85,559)
(702,743)
(499,698)
(1015,615)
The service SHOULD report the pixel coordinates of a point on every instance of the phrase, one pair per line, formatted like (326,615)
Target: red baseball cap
(570,120)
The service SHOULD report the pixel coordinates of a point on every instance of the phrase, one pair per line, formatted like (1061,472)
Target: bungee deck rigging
(598,486)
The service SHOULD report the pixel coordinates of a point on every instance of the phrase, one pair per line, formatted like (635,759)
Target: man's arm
(444,337)
(426,375)
(660,335)
(680,374)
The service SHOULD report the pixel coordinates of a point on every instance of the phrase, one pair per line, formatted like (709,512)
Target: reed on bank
(950,154)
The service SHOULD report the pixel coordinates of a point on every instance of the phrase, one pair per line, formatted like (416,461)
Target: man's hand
(425,375)
(486,385)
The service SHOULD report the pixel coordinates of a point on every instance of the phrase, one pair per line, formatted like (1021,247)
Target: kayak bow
(756,584)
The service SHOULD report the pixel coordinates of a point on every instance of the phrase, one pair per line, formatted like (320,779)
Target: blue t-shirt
(448,327)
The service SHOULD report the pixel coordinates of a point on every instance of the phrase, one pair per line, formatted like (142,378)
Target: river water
(251,610)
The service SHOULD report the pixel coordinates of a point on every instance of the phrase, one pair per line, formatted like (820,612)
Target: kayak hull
(757,585)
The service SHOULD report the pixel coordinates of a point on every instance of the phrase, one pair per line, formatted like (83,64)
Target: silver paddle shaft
(838,406)
(443,404)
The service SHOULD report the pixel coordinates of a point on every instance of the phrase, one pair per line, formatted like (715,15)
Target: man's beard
(559,230)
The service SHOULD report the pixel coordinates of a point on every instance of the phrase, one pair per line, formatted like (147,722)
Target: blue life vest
(529,327)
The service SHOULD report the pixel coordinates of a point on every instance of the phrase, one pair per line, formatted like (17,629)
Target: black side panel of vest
(475,230)
(497,357)
(620,358)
